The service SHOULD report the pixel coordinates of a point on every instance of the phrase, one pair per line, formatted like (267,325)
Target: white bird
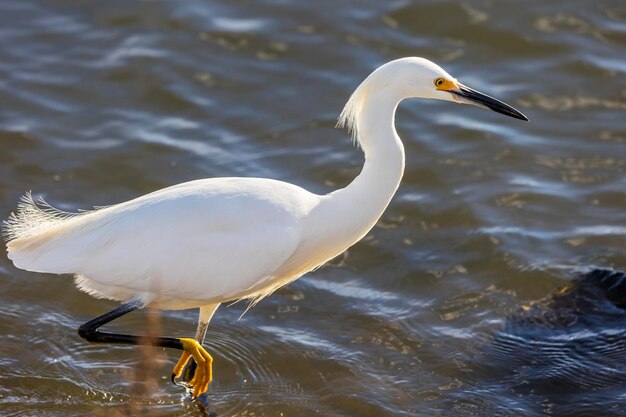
(209,241)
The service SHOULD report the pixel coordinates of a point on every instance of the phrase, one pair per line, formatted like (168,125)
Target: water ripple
(430,314)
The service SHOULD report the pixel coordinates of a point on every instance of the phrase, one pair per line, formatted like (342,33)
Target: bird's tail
(31,218)
(33,224)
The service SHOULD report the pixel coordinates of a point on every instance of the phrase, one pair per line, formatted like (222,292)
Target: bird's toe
(180,365)
(200,379)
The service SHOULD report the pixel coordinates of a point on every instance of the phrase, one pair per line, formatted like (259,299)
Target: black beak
(483,100)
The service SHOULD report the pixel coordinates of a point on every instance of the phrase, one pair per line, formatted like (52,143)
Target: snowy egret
(206,242)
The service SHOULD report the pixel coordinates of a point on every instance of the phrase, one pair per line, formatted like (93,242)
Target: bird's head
(413,78)
(421,78)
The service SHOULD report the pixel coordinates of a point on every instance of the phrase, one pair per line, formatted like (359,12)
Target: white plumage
(192,244)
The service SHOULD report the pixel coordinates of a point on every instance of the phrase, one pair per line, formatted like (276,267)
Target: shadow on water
(563,355)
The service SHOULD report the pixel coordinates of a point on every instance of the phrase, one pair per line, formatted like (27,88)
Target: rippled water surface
(103,101)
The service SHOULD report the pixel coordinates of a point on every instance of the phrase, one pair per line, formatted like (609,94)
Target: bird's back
(206,239)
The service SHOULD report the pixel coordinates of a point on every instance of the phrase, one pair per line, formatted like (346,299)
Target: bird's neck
(358,206)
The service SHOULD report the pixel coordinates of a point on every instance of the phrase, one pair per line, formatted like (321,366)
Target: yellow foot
(204,366)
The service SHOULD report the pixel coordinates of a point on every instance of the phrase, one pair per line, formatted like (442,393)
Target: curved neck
(357,207)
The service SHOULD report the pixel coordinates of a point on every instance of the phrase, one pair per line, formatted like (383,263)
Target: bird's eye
(439,82)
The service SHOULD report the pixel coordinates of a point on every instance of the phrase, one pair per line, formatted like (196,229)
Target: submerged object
(565,353)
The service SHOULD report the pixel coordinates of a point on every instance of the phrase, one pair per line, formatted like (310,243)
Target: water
(102,102)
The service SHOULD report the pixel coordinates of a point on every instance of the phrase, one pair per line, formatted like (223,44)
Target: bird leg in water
(185,369)
(201,372)
(190,347)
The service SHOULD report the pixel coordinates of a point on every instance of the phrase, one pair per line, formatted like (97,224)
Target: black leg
(192,349)
(89,331)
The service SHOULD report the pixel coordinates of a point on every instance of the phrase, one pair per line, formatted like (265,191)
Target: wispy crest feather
(350,114)
(33,216)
